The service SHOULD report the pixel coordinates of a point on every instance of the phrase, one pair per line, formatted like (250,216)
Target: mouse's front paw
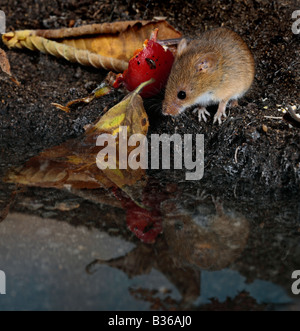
(202,113)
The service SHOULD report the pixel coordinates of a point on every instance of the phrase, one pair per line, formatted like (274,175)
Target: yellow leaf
(74,162)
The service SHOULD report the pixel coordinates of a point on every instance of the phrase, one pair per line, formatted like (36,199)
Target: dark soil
(29,123)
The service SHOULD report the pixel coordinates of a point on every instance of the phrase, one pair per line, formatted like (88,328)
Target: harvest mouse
(214,69)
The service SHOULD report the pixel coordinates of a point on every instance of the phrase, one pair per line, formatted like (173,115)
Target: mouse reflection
(206,236)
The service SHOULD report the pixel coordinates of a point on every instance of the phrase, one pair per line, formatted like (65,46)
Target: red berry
(153,61)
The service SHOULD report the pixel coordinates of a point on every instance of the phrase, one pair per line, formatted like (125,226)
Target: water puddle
(87,250)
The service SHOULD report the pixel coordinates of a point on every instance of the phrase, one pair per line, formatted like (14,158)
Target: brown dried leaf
(90,29)
(108,45)
(5,66)
(123,45)
(4,63)
(73,164)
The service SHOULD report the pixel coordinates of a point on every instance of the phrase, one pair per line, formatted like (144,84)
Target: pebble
(265,128)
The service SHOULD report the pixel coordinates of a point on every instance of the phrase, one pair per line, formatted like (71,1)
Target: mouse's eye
(181,95)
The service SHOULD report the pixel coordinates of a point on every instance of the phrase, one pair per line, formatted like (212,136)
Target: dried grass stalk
(109,46)
(27,39)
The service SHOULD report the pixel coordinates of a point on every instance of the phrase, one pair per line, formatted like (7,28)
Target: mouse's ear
(181,46)
(206,62)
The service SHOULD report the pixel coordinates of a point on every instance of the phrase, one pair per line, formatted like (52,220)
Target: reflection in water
(241,301)
(198,237)
(207,238)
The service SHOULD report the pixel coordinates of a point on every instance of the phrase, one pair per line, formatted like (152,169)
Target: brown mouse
(214,69)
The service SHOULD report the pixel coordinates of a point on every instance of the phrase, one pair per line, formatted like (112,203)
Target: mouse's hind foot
(221,112)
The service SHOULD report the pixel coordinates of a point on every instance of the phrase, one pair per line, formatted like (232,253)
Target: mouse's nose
(166,112)
(170,109)
(165,109)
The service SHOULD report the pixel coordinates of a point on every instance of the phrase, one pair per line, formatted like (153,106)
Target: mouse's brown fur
(216,68)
